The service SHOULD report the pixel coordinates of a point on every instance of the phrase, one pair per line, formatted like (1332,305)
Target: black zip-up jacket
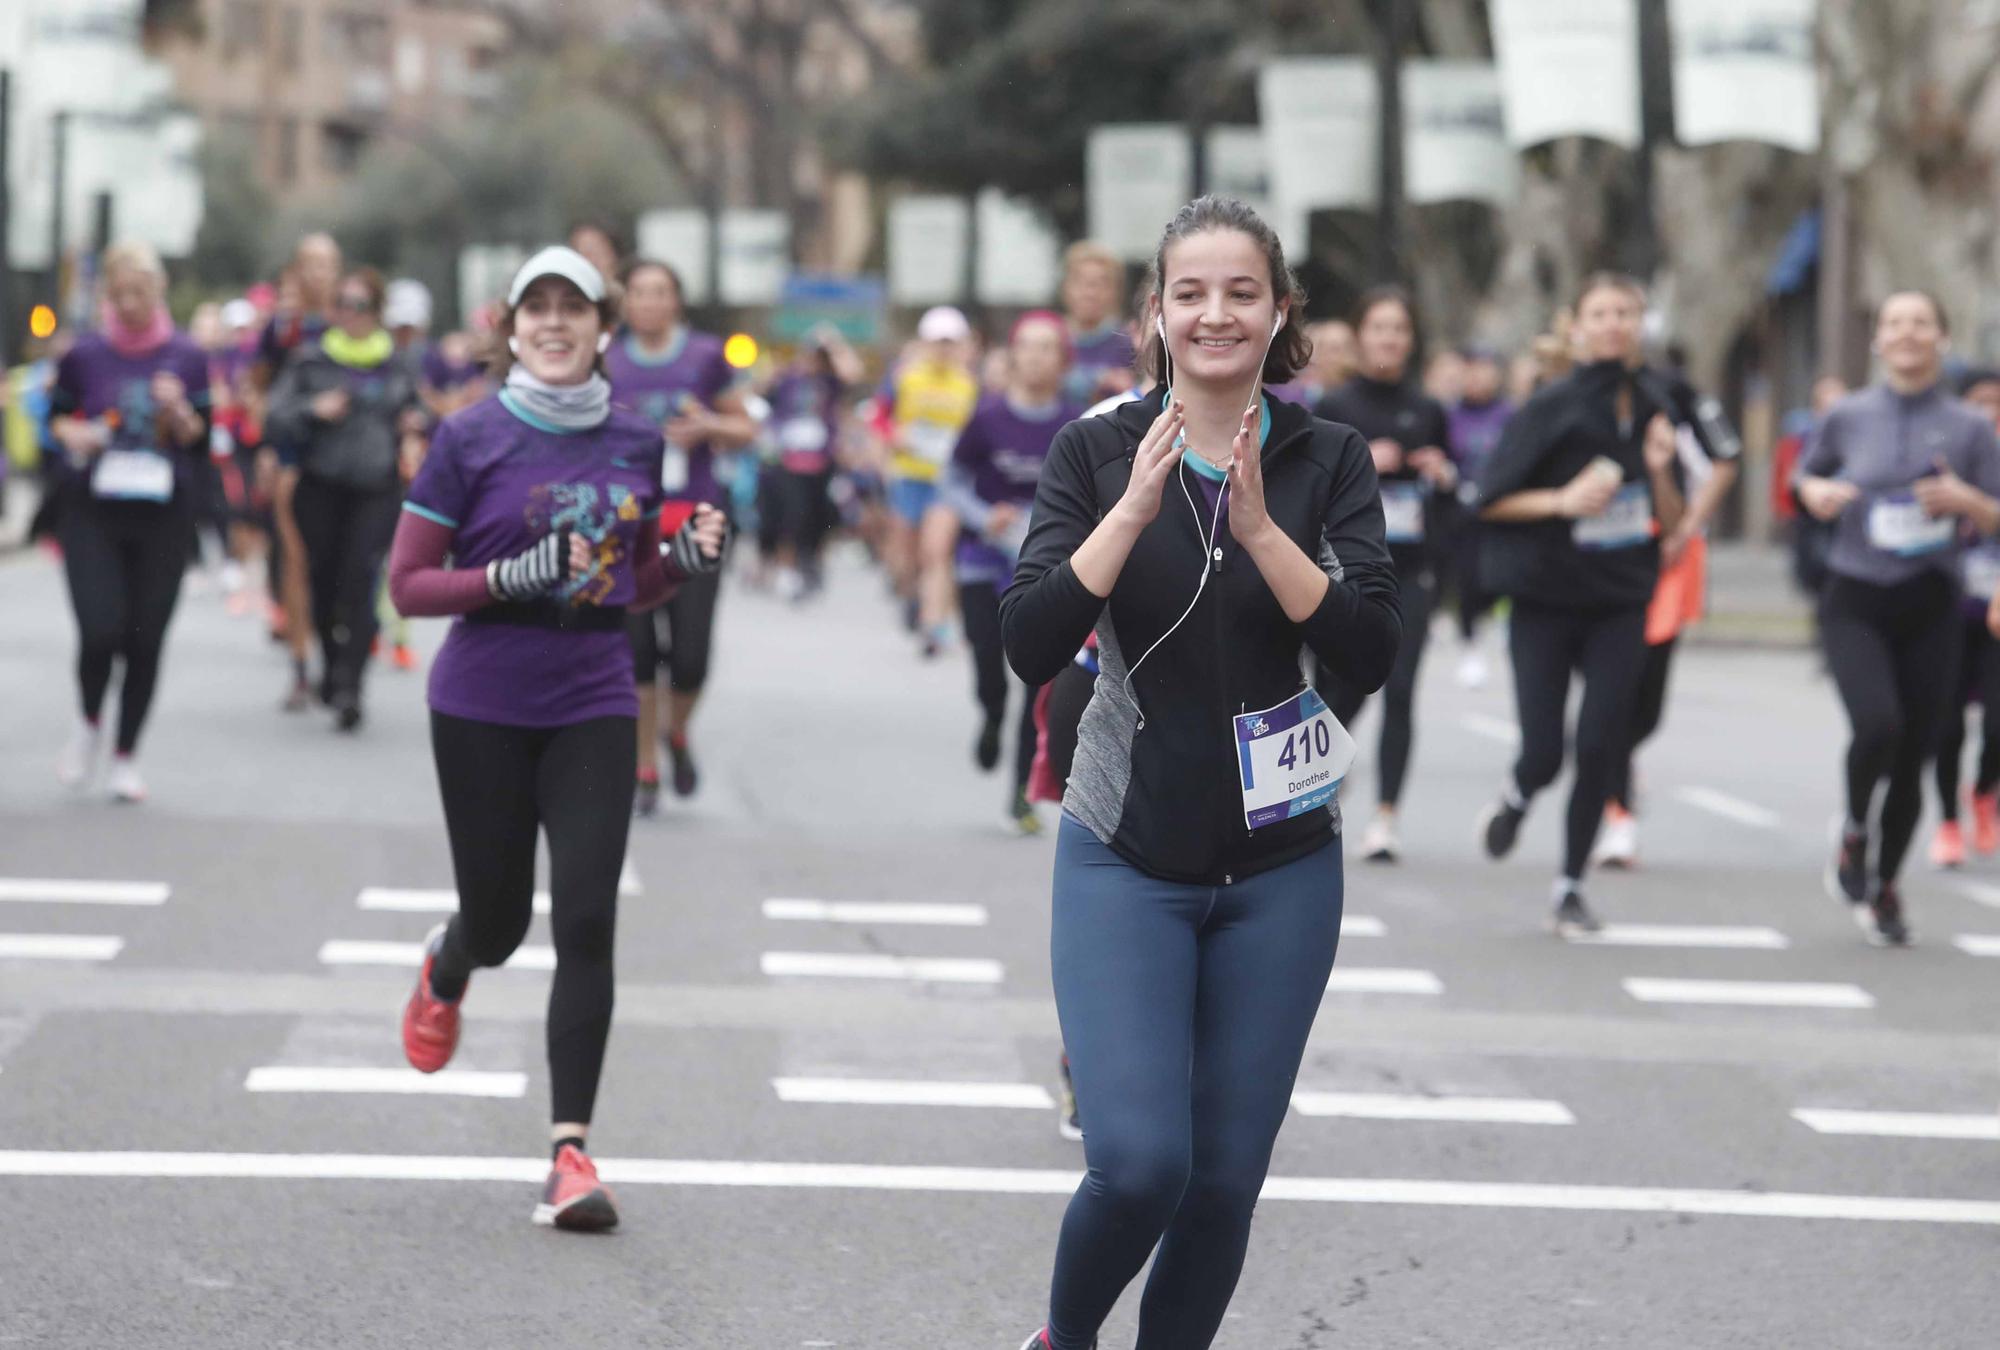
(1168,797)
(1556,433)
(1401,412)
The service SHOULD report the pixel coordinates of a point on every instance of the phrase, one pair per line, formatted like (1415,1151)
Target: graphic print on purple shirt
(94,381)
(501,485)
(657,387)
(1091,355)
(999,459)
(805,414)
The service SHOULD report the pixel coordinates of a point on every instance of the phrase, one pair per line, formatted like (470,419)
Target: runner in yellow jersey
(924,403)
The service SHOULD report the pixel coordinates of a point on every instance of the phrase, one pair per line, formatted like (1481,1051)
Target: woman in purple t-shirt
(543,497)
(990,484)
(130,411)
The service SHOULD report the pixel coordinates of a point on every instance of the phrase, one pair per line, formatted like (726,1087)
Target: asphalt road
(1611,1170)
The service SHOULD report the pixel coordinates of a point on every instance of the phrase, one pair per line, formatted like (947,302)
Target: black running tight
(979,608)
(124,561)
(347,534)
(1648,709)
(1979,675)
(1608,648)
(1399,693)
(1893,654)
(502,787)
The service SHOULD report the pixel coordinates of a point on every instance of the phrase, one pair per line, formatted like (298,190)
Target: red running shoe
(574,1199)
(1985,821)
(404,657)
(430,1024)
(1948,845)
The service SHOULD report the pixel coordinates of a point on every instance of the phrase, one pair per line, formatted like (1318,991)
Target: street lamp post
(1391,23)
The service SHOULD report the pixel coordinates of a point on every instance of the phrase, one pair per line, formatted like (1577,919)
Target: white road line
(1978,944)
(45,891)
(994,1181)
(449,1083)
(875,912)
(1469,1110)
(340,952)
(1684,935)
(1492,728)
(58,947)
(1728,807)
(1900,1124)
(404,900)
(1750,993)
(1361,925)
(933,970)
(1980,893)
(888,1092)
(1382,980)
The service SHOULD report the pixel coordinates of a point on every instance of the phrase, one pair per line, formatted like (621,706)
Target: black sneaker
(1068,1125)
(1847,870)
(1573,918)
(1040,1341)
(686,780)
(1500,827)
(987,752)
(1882,919)
(347,712)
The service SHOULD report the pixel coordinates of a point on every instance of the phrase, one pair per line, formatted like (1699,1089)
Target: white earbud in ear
(1160,323)
(514,345)
(603,343)
(1277,324)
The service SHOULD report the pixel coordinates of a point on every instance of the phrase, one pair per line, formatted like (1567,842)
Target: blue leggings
(1185,1011)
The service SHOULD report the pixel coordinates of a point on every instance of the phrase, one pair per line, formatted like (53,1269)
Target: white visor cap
(558,261)
(943,324)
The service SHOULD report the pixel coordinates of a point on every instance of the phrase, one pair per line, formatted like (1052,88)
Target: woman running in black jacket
(1577,494)
(1198,882)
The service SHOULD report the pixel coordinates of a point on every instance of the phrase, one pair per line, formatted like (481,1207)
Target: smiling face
(1218,308)
(1610,321)
(1910,338)
(556,328)
(652,304)
(1386,338)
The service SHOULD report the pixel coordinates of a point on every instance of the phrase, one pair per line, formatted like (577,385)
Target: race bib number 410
(1292,758)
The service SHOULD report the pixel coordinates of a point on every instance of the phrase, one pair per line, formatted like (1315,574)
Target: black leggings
(1608,647)
(502,786)
(1893,653)
(1473,600)
(677,635)
(979,608)
(347,533)
(124,561)
(1399,693)
(1648,710)
(1979,676)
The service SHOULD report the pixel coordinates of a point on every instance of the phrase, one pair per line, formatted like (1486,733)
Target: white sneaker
(1617,841)
(1472,669)
(124,780)
(79,758)
(1378,841)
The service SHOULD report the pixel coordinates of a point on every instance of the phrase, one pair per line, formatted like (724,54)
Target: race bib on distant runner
(132,476)
(1626,523)
(1898,525)
(1981,572)
(930,442)
(802,436)
(674,468)
(1292,758)
(1403,512)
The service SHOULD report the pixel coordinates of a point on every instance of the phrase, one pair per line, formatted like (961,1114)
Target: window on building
(340,147)
(291,37)
(241,28)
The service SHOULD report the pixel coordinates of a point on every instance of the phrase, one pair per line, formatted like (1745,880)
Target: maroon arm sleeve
(420,585)
(653,583)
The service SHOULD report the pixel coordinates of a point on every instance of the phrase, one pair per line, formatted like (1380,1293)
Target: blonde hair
(1085,251)
(134,255)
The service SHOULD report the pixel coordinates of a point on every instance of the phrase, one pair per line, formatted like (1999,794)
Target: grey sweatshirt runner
(1883,442)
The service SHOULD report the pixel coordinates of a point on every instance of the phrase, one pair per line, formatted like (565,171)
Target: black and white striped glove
(684,555)
(533,574)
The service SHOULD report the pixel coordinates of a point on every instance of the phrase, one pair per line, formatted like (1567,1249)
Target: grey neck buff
(562,407)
